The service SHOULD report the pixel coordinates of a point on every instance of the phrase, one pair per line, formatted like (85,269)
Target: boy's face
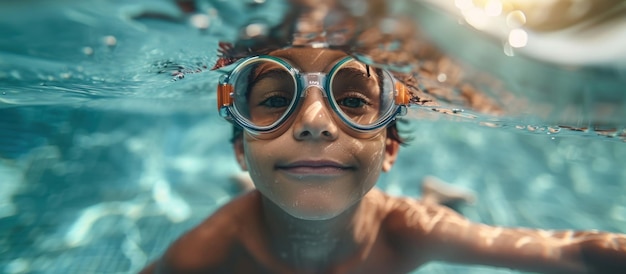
(315,169)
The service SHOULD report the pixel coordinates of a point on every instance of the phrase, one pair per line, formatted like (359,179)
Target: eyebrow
(256,77)
(358,72)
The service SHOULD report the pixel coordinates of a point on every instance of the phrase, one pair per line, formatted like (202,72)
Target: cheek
(370,155)
(370,152)
(255,156)
(260,156)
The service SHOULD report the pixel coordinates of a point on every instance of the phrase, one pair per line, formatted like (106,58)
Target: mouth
(320,168)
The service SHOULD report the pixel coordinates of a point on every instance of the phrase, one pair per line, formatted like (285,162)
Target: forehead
(310,59)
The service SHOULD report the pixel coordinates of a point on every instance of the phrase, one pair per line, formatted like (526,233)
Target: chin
(317,210)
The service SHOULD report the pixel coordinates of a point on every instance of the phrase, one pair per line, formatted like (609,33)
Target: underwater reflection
(490,61)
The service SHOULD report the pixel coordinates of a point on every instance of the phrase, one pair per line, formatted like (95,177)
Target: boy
(318,130)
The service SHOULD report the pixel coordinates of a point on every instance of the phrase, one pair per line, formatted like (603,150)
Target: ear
(240,154)
(391,153)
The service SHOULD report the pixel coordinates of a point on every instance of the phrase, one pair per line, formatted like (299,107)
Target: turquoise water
(107,154)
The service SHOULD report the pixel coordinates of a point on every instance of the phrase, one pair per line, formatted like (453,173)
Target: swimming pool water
(107,155)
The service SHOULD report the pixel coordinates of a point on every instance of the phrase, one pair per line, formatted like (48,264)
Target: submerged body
(385,235)
(316,210)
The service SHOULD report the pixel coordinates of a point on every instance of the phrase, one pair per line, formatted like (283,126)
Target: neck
(314,244)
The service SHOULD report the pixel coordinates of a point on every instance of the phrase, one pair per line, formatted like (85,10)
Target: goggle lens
(265,91)
(361,95)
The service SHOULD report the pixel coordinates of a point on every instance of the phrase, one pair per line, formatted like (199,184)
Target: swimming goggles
(262,92)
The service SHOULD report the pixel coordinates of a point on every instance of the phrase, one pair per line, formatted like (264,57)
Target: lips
(314,167)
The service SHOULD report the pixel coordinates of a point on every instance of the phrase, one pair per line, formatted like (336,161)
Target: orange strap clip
(403,96)
(224,97)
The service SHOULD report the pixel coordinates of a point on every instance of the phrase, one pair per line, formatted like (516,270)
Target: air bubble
(490,124)
(255,30)
(178,75)
(88,51)
(518,38)
(516,19)
(200,21)
(442,77)
(508,50)
(554,129)
(110,41)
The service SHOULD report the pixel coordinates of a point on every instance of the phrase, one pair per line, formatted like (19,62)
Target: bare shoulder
(413,220)
(221,232)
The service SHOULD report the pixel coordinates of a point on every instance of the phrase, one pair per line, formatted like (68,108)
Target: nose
(314,120)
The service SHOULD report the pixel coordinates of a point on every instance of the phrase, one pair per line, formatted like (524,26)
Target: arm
(442,234)
(534,250)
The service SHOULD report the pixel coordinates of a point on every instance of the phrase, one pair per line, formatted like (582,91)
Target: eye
(352,102)
(276,101)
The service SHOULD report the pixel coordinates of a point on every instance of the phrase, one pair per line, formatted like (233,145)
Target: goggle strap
(224,95)
(403,97)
